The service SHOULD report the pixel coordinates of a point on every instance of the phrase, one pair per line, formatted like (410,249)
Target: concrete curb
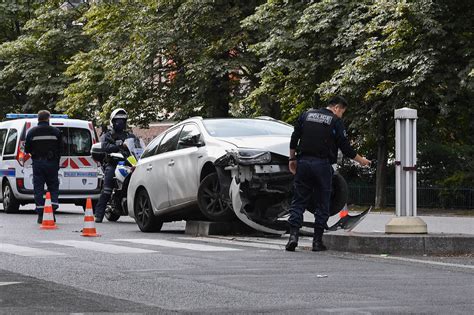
(205,228)
(362,243)
(405,244)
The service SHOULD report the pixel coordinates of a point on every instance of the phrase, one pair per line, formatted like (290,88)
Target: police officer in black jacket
(318,135)
(44,143)
(112,142)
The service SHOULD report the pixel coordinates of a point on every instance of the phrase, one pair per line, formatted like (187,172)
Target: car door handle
(149,167)
(171,163)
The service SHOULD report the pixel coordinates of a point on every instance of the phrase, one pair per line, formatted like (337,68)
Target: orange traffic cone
(48,217)
(344,212)
(89,225)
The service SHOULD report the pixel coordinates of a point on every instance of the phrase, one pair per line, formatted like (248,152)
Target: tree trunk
(269,107)
(218,98)
(382,156)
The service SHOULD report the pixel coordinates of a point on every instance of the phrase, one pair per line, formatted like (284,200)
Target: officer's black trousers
(45,171)
(109,173)
(312,191)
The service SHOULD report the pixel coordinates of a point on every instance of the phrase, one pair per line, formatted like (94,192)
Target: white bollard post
(406,220)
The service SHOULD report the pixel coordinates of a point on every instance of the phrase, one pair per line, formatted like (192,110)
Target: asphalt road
(126,271)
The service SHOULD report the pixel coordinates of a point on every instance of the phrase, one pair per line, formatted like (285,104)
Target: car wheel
(10,203)
(210,200)
(144,216)
(339,194)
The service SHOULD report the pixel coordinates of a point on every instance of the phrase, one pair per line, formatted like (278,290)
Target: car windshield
(246,128)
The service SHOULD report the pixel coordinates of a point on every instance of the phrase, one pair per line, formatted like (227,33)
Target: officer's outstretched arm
(362,160)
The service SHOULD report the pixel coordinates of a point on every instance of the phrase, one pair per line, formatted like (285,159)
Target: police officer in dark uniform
(44,143)
(112,142)
(318,135)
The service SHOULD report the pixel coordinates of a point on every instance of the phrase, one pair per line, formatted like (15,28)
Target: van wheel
(10,203)
(210,201)
(144,216)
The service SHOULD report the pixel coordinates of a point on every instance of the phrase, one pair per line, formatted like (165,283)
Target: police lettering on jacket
(44,142)
(320,133)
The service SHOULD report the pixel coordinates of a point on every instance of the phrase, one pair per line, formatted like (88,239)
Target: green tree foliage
(381,55)
(159,57)
(243,58)
(13,16)
(33,68)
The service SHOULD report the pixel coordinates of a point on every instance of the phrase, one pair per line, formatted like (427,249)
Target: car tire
(210,202)
(144,216)
(10,203)
(339,194)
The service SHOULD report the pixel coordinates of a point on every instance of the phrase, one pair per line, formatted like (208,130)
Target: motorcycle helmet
(118,119)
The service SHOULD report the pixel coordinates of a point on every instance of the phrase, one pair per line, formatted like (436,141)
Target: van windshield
(76,141)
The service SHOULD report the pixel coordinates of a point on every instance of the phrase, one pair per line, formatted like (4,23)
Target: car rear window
(76,141)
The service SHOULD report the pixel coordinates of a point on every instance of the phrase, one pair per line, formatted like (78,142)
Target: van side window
(3,135)
(10,145)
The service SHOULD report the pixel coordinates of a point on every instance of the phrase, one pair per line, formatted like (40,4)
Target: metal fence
(427,197)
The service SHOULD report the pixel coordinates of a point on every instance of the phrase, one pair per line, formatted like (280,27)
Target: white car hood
(274,144)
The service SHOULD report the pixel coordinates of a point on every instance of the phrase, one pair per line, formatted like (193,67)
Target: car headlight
(251,156)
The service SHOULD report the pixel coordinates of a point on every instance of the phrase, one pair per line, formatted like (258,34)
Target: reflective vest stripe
(44,138)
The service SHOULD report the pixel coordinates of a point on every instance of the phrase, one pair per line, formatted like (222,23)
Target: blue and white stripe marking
(8,172)
(80,174)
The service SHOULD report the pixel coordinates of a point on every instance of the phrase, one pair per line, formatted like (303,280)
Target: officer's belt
(314,155)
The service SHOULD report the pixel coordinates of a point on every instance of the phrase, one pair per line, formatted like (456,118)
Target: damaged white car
(220,169)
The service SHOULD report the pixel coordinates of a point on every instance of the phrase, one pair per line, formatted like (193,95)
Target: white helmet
(118,113)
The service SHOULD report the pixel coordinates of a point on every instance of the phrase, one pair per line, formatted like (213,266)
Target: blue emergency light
(19,116)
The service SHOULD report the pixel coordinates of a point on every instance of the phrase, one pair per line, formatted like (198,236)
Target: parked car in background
(192,170)
(78,174)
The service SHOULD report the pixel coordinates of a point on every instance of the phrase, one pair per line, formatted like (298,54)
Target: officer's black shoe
(318,245)
(40,218)
(293,241)
(98,219)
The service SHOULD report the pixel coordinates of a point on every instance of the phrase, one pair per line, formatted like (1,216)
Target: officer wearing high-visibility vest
(317,136)
(44,143)
(112,142)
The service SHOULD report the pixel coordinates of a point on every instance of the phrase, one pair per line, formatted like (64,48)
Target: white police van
(79,177)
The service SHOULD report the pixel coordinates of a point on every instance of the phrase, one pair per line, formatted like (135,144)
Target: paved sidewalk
(447,235)
(375,223)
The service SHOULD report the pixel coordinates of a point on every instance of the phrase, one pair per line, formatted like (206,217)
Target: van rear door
(82,169)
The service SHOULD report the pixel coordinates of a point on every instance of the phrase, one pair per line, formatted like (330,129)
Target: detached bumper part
(239,209)
(349,222)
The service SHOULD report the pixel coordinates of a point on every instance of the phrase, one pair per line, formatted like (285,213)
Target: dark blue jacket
(44,142)
(320,133)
